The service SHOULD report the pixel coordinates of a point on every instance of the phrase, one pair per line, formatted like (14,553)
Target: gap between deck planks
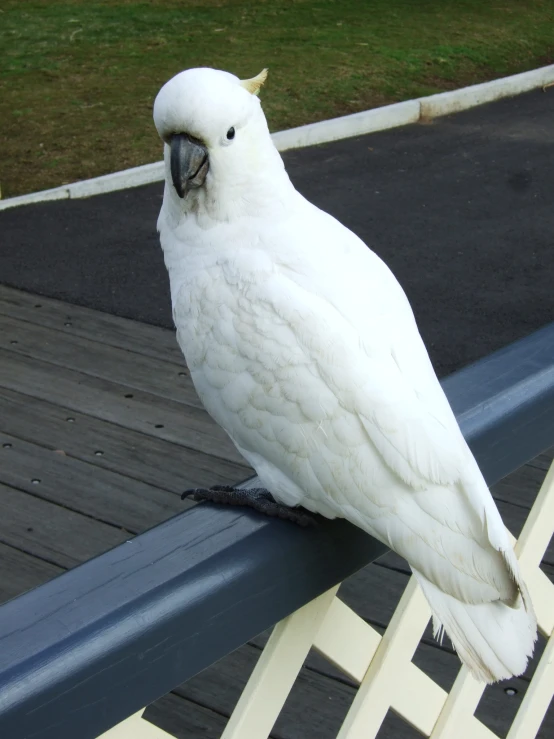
(72,362)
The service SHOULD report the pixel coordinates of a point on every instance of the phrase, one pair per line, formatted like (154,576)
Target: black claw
(203,492)
(259,499)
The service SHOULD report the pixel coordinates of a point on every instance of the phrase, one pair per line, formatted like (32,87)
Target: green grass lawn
(78,78)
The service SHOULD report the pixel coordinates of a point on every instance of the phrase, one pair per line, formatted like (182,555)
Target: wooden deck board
(185,720)
(149,414)
(85,488)
(544,460)
(135,371)
(128,452)
(22,571)
(74,320)
(521,487)
(52,533)
(74,363)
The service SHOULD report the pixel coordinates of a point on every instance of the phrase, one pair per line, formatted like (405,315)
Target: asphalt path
(460,208)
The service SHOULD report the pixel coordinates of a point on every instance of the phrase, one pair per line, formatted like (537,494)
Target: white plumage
(303,347)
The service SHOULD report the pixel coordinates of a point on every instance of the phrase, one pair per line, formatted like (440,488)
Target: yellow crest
(253,85)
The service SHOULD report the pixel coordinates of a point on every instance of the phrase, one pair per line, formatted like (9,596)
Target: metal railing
(90,648)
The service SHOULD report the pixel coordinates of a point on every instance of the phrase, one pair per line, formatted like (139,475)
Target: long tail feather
(494,640)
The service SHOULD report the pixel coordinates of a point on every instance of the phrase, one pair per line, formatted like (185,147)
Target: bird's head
(214,128)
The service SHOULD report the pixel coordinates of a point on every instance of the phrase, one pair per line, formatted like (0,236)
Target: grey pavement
(460,208)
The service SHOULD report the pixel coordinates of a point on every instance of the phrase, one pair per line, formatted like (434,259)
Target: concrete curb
(446,103)
(378,119)
(368,121)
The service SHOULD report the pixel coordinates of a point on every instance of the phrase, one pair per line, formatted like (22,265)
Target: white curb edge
(468,97)
(377,119)
(368,121)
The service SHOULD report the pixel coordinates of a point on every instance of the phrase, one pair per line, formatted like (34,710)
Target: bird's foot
(259,499)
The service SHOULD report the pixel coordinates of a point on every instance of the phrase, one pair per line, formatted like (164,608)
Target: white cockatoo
(303,347)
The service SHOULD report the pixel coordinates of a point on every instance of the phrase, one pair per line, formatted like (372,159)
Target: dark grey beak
(189,163)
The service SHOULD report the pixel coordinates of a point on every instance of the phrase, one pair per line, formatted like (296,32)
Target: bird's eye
(231,133)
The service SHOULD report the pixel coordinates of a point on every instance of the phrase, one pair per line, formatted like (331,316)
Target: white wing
(315,368)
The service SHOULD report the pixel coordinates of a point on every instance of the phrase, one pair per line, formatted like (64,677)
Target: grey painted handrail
(87,649)
(504,403)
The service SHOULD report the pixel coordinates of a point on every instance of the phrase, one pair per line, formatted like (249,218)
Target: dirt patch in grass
(78,78)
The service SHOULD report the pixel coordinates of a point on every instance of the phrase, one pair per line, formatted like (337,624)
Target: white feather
(303,347)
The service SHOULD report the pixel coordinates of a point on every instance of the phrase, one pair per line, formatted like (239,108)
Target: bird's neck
(197,233)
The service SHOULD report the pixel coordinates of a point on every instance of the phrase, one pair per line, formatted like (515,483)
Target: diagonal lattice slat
(396,648)
(267,688)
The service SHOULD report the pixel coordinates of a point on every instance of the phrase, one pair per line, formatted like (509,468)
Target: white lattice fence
(383,666)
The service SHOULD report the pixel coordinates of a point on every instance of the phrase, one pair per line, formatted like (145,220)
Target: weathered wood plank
(146,413)
(48,531)
(184,719)
(544,460)
(521,487)
(134,371)
(147,458)
(21,571)
(81,487)
(90,324)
